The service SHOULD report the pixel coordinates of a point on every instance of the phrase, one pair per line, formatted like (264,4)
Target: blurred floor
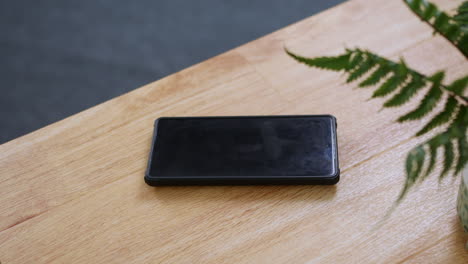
(61,57)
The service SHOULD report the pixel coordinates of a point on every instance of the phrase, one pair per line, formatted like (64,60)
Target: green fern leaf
(441,21)
(431,10)
(368,63)
(392,83)
(463,42)
(429,101)
(442,118)
(462,8)
(414,4)
(419,161)
(440,139)
(461,17)
(452,32)
(448,158)
(432,160)
(381,71)
(414,164)
(337,63)
(434,143)
(356,59)
(406,92)
(457,128)
(458,86)
(462,118)
(462,154)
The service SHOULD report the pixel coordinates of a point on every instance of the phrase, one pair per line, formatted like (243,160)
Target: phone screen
(244,146)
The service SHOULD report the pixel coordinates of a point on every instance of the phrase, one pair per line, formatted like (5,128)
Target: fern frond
(441,118)
(429,101)
(395,76)
(338,63)
(406,92)
(357,62)
(452,28)
(458,86)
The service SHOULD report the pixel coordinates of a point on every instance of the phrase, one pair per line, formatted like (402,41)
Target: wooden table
(73,192)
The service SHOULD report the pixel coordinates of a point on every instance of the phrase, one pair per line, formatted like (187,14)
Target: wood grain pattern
(73,192)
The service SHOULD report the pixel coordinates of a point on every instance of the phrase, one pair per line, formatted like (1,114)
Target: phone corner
(330,116)
(151,181)
(156,121)
(334,178)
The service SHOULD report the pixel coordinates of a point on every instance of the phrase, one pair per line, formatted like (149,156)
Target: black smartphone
(243,150)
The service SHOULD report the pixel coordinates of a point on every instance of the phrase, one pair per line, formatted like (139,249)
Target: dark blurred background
(60,57)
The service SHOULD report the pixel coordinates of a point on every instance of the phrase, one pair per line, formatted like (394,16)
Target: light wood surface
(73,192)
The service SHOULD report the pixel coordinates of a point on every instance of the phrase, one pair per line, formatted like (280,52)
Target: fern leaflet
(462,154)
(448,159)
(329,63)
(458,86)
(362,68)
(432,160)
(381,71)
